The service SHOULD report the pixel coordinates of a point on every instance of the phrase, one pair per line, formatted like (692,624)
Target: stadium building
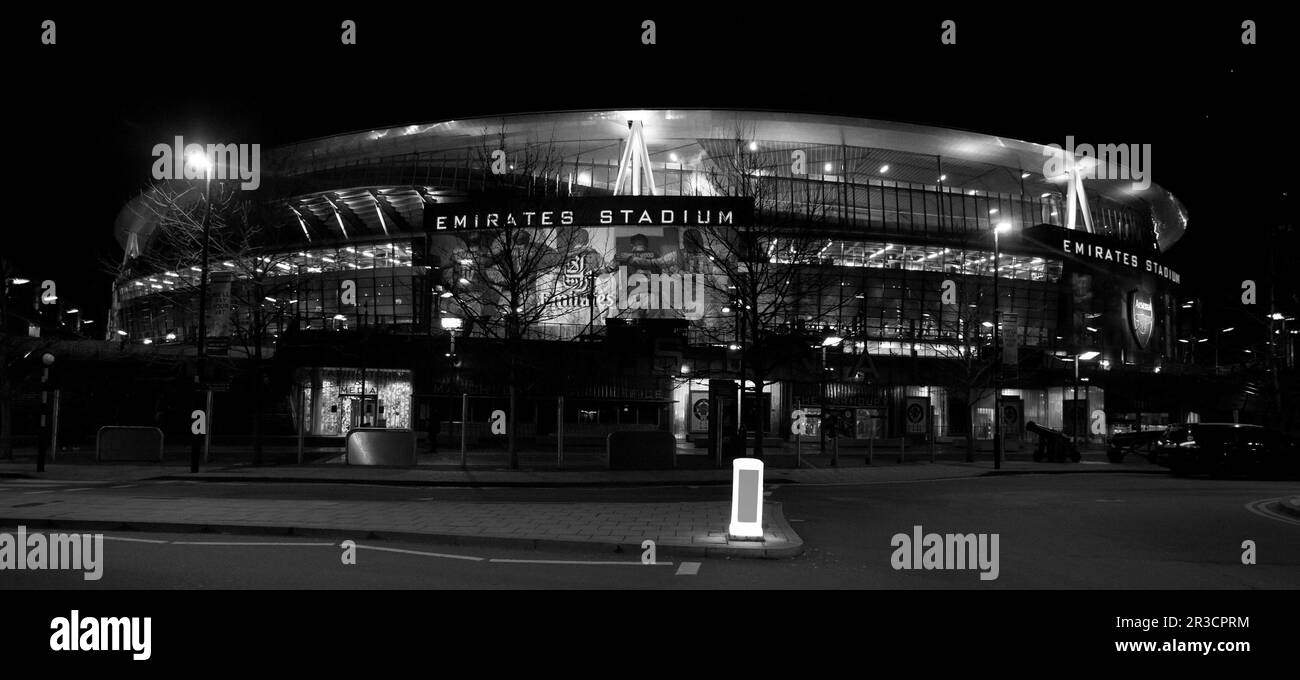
(625,269)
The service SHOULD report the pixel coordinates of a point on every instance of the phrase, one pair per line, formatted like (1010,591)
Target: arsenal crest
(1141,317)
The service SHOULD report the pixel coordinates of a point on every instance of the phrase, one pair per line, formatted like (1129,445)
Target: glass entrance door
(364,410)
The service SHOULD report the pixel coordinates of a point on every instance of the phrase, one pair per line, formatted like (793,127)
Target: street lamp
(201,161)
(1002,227)
(4,304)
(1085,356)
(828,341)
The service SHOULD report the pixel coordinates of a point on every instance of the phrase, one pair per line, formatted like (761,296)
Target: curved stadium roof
(914,154)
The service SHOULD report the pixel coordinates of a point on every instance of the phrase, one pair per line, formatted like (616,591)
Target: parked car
(1224,449)
(1132,442)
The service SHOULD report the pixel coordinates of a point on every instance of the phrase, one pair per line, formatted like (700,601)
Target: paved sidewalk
(850,472)
(691,528)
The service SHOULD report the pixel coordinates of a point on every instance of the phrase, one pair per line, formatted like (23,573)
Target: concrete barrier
(380,446)
(125,443)
(634,450)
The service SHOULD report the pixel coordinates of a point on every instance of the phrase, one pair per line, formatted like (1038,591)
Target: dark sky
(1218,114)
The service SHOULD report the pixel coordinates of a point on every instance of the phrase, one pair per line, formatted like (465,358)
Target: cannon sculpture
(1053,446)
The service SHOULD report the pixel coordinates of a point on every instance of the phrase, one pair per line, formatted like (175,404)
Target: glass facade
(303,287)
(341,399)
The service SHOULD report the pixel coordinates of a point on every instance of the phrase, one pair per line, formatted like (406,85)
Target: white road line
(581,562)
(1258,507)
(890,481)
(134,540)
(688,569)
(253,543)
(32,493)
(84,488)
(420,552)
(122,486)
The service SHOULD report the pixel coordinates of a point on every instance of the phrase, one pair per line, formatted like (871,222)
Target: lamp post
(997,347)
(198,439)
(4,304)
(829,341)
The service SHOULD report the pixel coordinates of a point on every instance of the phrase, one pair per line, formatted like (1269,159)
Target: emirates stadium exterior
(894,240)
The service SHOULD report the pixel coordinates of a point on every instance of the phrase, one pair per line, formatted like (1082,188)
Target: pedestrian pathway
(814,471)
(693,528)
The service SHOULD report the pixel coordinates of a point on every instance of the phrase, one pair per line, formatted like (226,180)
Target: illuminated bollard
(746,500)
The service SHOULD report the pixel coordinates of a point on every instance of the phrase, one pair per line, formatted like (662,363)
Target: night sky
(88,111)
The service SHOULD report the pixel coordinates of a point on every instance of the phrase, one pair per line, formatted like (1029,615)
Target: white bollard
(746,500)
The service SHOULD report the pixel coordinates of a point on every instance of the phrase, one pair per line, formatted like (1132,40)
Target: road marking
(582,562)
(1259,508)
(252,543)
(134,540)
(892,481)
(420,552)
(31,493)
(122,486)
(688,569)
(84,488)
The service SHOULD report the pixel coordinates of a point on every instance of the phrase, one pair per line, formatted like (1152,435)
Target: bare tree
(770,272)
(508,281)
(241,255)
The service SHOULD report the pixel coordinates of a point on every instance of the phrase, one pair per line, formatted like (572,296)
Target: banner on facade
(1010,338)
(217,317)
(917,415)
